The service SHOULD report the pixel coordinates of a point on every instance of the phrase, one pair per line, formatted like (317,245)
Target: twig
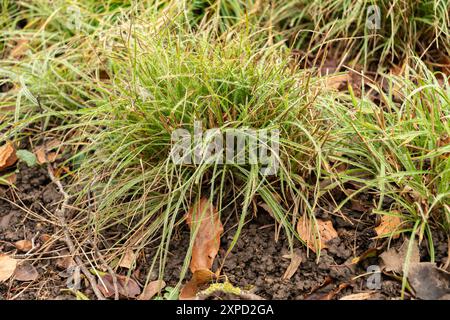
(110,271)
(61,214)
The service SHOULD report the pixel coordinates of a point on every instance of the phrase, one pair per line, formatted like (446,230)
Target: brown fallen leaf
(45,237)
(7,267)
(126,287)
(23,245)
(12,178)
(152,289)
(5,220)
(296,260)
(127,259)
(428,281)
(19,50)
(335,81)
(191,288)
(65,262)
(389,224)
(25,272)
(394,259)
(307,234)
(7,156)
(44,154)
(204,219)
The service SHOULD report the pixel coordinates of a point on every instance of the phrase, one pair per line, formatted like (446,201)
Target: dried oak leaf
(126,286)
(394,259)
(7,156)
(152,289)
(204,223)
(428,281)
(307,233)
(199,278)
(389,224)
(23,245)
(127,259)
(44,154)
(7,267)
(25,272)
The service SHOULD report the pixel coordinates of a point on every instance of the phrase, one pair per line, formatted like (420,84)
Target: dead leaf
(204,217)
(65,262)
(24,245)
(358,205)
(266,208)
(388,225)
(371,295)
(296,260)
(7,156)
(25,272)
(44,154)
(152,289)
(126,287)
(45,237)
(428,281)
(11,178)
(4,221)
(307,234)
(394,260)
(335,81)
(192,287)
(127,259)
(7,267)
(19,50)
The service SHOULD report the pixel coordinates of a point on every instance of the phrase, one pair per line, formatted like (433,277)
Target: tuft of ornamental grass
(163,75)
(404,27)
(165,79)
(420,27)
(399,150)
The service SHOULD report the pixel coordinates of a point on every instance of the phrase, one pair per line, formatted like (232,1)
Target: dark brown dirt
(25,214)
(257,262)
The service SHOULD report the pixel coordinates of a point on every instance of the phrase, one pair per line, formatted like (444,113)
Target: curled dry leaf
(394,259)
(152,289)
(19,49)
(335,81)
(65,262)
(7,267)
(389,224)
(428,281)
(199,278)
(204,219)
(308,234)
(7,156)
(23,245)
(127,259)
(44,152)
(45,237)
(25,272)
(126,287)
(296,260)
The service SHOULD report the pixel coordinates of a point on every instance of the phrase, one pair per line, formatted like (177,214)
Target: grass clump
(404,27)
(399,151)
(166,82)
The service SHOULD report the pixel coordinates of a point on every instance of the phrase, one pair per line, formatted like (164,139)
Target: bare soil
(257,262)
